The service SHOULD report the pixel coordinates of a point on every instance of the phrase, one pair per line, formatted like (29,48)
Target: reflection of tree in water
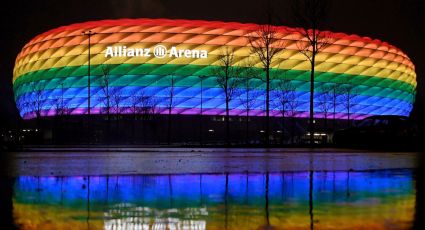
(267,200)
(170,189)
(226,208)
(310,200)
(231,201)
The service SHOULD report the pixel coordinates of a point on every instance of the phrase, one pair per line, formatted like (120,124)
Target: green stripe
(366,85)
(187,81)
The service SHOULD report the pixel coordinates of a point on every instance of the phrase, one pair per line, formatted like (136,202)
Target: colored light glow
(55,63)
(347,200)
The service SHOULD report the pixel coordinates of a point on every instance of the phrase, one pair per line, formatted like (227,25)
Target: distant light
(261,131)
(36,130)
(210,130)
(279,131)
(317,134)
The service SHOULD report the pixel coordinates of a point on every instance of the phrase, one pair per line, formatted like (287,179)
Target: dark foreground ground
(215,188)
(129,160)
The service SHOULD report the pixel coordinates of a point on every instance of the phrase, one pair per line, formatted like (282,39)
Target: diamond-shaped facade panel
(354,75)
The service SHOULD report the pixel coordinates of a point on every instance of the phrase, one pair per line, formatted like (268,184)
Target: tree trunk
(226,209)
(334,109)
(267,201)
(169,127)
(326,122)
(142,123)
(201,138)
(292,130)
(108,128)
(267,141)
(326,127)
(227,123)
(248,106)
(283,129)
(310,200)
(133,129)
(117,126)
(348,116)
(201,134)
(247,127)
(311,120)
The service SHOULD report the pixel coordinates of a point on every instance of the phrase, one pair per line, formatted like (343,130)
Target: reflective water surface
(165,188)
(377,199)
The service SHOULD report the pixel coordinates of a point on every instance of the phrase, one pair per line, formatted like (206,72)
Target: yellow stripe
(288,59)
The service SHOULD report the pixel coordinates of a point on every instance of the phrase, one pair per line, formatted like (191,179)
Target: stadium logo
(159,51)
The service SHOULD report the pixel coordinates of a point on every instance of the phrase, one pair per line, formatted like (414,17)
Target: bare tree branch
(283,94)
(38,97)
(228,78)
(105,82)
(266,42)
(325,100)
(309,15)
(348,98)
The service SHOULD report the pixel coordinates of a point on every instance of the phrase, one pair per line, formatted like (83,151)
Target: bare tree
(283,94)
(60,106)
(201,129)
(325,102)
(248,93)
(105,85)
(293,105)
(248,97)
(142,104)
(348,99)
(310,14)
(335,92)
(266,42)
(112,98)
(38,98)
(116,101)
(149,109)
(106,99)
(135,111)
(227,76)
(60,111)
(135,108)
(141,107)
(170,106)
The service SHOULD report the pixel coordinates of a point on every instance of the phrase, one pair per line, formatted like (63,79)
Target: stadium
(51,72)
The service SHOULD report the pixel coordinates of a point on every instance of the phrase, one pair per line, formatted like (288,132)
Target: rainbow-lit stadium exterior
(383,77)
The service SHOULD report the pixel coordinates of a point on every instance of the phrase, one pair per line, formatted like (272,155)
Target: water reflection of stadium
(344,199)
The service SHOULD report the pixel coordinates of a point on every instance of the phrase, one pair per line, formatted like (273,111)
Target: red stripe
(194,23)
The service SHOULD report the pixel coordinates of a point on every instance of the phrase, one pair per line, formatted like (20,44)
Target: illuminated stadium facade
(51,71)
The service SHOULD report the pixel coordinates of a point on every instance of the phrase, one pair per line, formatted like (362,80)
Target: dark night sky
(399,22)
